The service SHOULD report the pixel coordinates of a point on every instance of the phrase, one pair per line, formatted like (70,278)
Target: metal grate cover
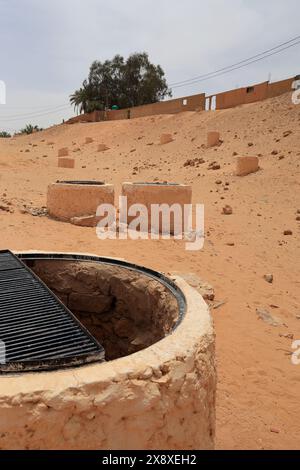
(37,332)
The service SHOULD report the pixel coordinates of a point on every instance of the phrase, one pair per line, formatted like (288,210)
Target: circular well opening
(157,183)
(125,307)
(83,182)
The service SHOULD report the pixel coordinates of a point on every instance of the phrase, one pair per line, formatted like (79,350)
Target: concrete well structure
(157,388)
(77,199)
(157,194)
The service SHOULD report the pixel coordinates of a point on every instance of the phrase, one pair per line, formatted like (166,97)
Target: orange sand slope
(258,387)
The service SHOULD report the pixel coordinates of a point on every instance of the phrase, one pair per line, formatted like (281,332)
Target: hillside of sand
(258,386)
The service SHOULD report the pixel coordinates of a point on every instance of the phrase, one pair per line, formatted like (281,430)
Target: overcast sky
(47,46)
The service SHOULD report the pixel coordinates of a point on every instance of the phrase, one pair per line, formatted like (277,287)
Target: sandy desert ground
(258,396)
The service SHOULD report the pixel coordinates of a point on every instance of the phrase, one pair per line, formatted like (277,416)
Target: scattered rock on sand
(85,221)
(275,430)
(203,287)
(267,317)
(194,162)
(227,210)
(269,278)
(287,335)
(287,133)
(4,208)
(214,166)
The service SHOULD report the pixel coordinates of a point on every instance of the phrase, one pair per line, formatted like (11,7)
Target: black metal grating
(82,182)
(37,330)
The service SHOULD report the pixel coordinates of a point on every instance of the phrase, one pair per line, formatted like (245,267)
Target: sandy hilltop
(258,387)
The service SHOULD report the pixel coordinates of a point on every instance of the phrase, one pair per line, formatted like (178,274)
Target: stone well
(68,200)
(156,389)
(150,194)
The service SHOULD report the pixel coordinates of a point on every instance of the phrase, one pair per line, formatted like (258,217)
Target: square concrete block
(213,139)
(102,148)
(166,139)
(149,194)
(63,152)
(246,165)
(66,162)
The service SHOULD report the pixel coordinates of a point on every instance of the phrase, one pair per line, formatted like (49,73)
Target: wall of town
(227,99)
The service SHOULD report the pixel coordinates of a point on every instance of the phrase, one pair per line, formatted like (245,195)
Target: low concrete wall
(162,397)
(65,201)
(224,100)
(278,88)
(232,98)
(188,103)
(95,116)
(251,94)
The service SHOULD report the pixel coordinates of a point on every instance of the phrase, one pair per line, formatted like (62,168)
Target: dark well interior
(124,309)
(83,182)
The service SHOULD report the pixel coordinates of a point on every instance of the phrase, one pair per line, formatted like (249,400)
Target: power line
(41,108)
(35,114)
(238,65)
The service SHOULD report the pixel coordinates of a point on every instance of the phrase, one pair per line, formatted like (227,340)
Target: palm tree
(29,129)
(82,99)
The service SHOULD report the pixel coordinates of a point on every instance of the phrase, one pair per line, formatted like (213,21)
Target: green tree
(133,82)
(4,135)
